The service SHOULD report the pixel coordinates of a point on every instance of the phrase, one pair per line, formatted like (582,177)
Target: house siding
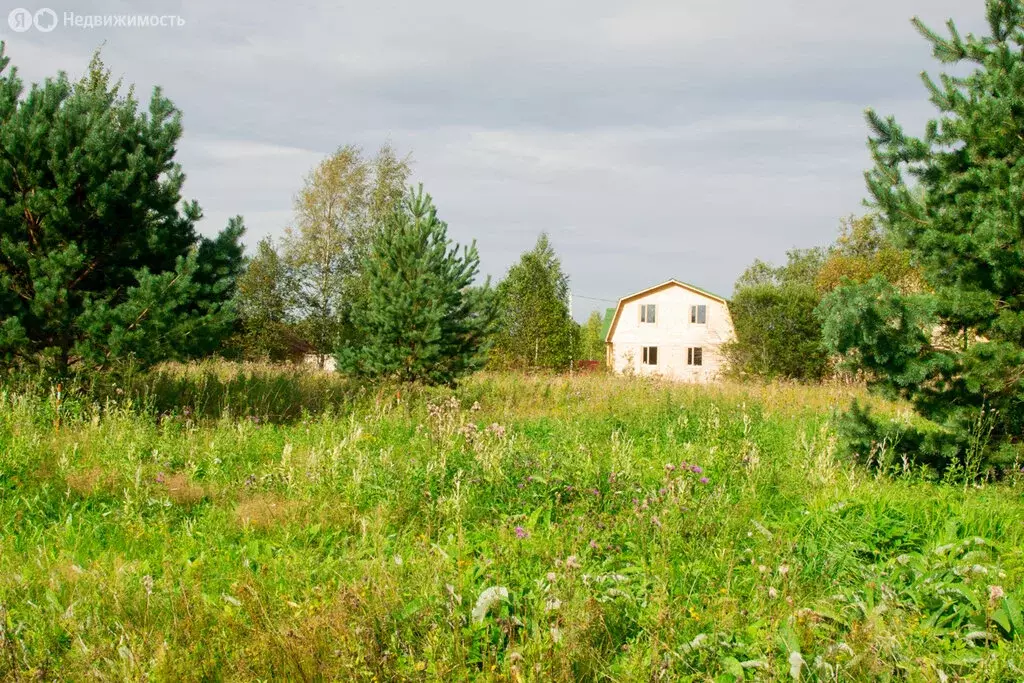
(672,333)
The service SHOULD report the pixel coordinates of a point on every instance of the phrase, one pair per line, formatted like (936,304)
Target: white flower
(552,577)
(796,663)
(772,593)
(783,569)
(552,604)
(488,599)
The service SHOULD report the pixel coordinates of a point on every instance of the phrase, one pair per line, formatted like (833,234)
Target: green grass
(213,523)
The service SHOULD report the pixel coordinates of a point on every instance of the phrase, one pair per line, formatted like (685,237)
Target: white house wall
(673,333)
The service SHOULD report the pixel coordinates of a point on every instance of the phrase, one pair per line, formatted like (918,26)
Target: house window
(695,356)
(699,314)
(647,313)
(650,355)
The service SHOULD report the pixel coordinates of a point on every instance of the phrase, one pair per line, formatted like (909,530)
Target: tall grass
(240,523)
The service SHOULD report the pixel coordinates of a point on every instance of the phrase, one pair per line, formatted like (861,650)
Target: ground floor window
(695,356)
(650,355)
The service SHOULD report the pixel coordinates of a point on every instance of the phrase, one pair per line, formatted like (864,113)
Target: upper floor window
(699,314)
(695,356)
(650,355)
(647,313)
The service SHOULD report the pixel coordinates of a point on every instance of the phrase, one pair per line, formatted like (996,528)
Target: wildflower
(488,599)
(552,577)
(147,584)
(669,467)
(772,593)
(696,469)
(656,522)
(572,562)
(476,407)
(761,568)
(552,604)
(995,594)
(594,545)
(521,532)
(704,480)
(398,560)
(160,478)
(783,569)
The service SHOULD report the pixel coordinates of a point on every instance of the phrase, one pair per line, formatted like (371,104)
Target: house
(673,330)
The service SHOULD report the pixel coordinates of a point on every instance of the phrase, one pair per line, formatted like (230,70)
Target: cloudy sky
(650,139)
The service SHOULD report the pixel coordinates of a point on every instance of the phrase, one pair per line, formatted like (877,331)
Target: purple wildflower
(696,469)
(521,532)
(703,480)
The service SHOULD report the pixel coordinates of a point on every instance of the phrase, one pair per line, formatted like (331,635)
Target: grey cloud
(681,138)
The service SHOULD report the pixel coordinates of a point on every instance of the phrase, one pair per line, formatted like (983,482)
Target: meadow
(219,522)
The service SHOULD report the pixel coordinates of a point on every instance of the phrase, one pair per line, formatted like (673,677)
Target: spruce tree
(535,326)
(99,257)
(420,318)
(953,199)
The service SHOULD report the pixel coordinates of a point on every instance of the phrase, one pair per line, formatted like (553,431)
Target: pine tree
(953,199)
(99,257)
(535,327)
(420,317)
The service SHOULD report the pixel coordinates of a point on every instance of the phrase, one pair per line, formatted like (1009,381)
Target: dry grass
(182,490)
(266,511)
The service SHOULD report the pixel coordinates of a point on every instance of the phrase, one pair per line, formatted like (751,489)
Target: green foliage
(99,258)
(592,342)
(535,326)
(421,318)
(801,268)
(772,311)
(777,333)
(344,200)
(353,535)
(266,329)
(865,250)
(951,199)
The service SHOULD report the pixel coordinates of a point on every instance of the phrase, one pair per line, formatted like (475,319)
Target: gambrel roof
(670,283)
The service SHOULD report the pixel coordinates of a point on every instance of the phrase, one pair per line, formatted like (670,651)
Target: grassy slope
(354,545)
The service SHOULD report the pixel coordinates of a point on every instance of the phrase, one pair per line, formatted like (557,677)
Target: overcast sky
(651,140)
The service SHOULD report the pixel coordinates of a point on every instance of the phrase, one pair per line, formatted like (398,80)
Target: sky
(651,140)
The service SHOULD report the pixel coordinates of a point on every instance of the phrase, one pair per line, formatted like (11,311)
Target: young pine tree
(99,257)
(420,318)
(953,199)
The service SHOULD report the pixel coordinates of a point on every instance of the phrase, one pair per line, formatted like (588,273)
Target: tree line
(101,263)
(922,297)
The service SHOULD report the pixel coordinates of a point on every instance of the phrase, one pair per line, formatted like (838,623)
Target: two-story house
(673,330)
